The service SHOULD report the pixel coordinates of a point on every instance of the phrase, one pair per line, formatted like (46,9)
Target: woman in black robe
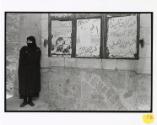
(29,72)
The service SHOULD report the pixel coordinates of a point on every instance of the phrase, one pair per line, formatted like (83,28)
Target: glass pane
(122,37)
(88,38)
(61,40)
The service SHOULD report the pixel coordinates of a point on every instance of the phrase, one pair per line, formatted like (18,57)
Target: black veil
(33,44)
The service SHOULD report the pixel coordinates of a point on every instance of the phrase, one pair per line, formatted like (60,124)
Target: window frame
(103,34)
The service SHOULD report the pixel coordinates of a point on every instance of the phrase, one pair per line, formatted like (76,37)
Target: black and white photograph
(78,61)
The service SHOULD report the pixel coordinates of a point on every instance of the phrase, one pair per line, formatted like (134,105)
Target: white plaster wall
(144,62)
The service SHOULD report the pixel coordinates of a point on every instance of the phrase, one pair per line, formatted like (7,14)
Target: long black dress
(29,72)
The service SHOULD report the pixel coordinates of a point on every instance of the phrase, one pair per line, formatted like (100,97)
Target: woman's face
(29,42)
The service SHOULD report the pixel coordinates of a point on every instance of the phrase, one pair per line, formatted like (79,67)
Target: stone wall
(12,48)
(95,84)
(94,89)
(91,84)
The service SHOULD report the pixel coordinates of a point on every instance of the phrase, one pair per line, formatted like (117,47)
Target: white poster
(88,38)
(122,36)
(61,37)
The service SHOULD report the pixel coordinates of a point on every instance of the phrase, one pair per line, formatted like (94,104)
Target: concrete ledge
(109,64)
(126,64)
(144,65)
(56,61)
(88,63)
(70,62)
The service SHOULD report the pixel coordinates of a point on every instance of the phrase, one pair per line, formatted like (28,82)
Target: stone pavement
(13,104)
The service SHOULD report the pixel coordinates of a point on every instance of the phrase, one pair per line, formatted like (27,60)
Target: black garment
(29,71)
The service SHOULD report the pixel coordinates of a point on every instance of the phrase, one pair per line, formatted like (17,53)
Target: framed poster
(61,37)
(88,37)
(122,37)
